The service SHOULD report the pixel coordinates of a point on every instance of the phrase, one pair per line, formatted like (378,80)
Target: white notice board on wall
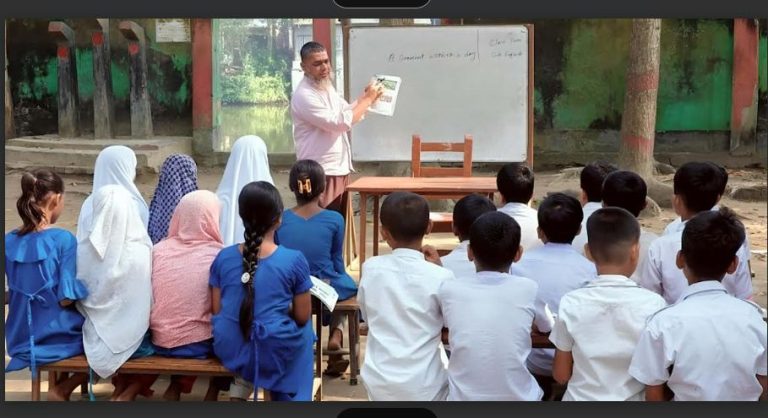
(456,80)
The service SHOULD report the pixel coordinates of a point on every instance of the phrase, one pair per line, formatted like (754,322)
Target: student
(627,190)
(42,325)
(591,182)
(115,164)
(261,302)
(114,262)
(319,234)
(180,319)
(598,326)
(247,163)
(404,359)
(489,316)
(696,189)
(515,183)
(465,212)
(556,267)
(677,225)
(178,176)
(713,343)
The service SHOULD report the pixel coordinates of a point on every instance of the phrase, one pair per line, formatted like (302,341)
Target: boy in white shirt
(404,358)
(515,184)
(714,344)
(556,267)
(696,189)
(591,182)
(627,190)
(489,316)
(598,326)
(677,224)
(466,211)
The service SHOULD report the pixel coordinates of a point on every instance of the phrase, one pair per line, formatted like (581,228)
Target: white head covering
(114,165)
(247,163)
(114,261)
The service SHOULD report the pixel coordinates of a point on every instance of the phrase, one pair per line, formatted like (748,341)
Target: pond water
(271,122)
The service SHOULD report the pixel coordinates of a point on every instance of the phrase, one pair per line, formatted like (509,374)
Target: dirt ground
(78,187)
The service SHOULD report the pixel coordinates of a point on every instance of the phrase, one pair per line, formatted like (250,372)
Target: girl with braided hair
(43,325)
(319,234)
(261,304)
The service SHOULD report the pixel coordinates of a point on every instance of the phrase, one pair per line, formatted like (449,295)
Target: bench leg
(36,386)
(319,333)
(354,346)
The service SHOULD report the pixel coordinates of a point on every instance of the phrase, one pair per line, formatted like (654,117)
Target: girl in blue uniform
(43,325)
(319,234)
(261,303)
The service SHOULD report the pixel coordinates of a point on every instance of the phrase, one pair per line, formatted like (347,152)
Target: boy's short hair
(625,189)
(560,217)
(592,177)
(611,232)
(723,177)
(405,215)
(467,210)
(699,185)
(710,241)
(494,239)
(515,182)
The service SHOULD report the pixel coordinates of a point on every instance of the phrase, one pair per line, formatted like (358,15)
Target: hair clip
(245,277)
(305,186)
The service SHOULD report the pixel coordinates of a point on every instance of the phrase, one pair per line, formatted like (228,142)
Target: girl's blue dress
(321,240)
(278,354)
(42,271)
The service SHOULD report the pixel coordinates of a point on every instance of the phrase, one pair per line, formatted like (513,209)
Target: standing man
(321,119)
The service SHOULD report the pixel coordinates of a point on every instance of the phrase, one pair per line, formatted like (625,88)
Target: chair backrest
(417,147)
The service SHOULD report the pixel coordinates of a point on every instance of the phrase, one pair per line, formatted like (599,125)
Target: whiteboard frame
(346,26)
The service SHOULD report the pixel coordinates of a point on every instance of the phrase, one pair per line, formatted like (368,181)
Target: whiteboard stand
(357,66)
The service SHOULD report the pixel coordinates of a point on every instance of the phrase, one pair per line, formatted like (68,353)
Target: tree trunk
(638,123)
(10,129)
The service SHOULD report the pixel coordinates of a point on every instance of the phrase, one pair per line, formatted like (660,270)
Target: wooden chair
(351,309)
(441,221)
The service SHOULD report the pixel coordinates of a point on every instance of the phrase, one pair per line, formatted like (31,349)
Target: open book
(386,103)
(324,292)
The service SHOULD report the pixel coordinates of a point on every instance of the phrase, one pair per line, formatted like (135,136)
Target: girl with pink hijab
(181,314)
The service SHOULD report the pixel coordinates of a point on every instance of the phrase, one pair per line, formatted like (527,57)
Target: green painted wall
(694,82)
(34,81)
(580,69)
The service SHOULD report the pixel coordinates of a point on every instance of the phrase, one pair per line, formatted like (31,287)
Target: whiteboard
(456,80)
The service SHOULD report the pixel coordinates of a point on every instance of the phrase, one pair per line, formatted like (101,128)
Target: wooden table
(426,186)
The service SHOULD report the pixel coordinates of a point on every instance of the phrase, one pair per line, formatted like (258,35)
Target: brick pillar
(206,92)
(103,99)
(746,37)
(141,111)
(69,126)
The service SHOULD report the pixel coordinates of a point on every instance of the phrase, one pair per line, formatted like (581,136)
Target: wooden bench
(148,365)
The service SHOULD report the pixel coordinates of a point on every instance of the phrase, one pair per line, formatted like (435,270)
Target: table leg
(375,224)
(363,215)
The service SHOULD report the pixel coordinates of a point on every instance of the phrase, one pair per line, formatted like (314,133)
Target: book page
(324,292)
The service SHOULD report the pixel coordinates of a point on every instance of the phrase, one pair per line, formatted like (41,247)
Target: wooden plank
(149,365)
(424,185)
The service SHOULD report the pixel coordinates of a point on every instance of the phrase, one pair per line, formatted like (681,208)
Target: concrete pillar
(206,90)
(746,39)
(69,126)
(10,128)
(141,111)
(103,99)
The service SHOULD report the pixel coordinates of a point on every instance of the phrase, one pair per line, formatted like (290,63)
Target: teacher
(321,120)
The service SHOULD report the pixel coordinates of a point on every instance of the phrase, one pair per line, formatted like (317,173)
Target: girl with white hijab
(114,165)
(114,261)
(247,163)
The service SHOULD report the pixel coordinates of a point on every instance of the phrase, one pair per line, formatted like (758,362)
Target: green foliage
(252,89)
